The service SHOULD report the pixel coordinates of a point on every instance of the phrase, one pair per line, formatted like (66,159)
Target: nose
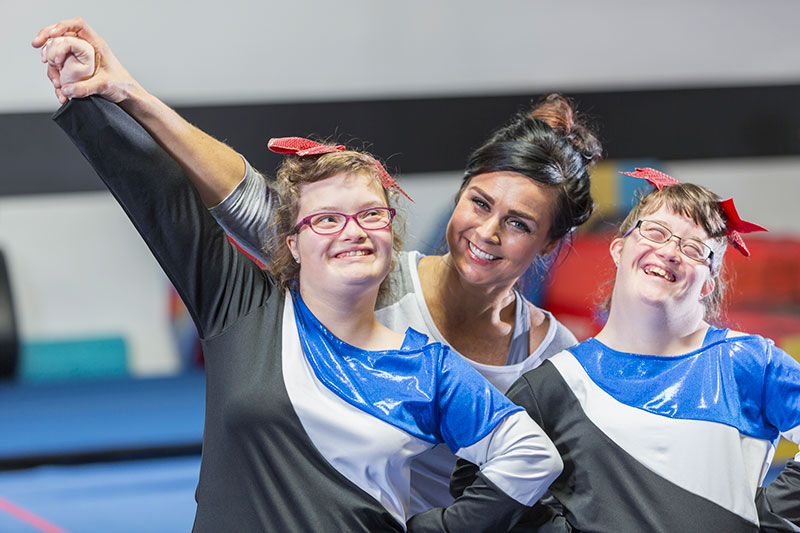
(670,249)
(352,230)
(488,230)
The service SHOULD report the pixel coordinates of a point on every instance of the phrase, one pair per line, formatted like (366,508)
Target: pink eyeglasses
(370,219)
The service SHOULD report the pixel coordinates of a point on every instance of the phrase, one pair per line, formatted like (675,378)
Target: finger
(60,96)
(50,32)
(55,76)
(81,89)
(60,29)
(76,27)
(80,48)
(75,70)
(59,48)
(42,36)
(55,56)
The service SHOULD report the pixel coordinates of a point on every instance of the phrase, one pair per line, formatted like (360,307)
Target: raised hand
(69,60)
(73,51)
(64,49)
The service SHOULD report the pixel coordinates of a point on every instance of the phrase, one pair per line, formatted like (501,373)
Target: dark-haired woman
(524,190)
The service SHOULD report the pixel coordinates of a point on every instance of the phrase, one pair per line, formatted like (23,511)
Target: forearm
(483,507)
(517,464)
(213,167)
(517,457)
(779,502)
(80,64)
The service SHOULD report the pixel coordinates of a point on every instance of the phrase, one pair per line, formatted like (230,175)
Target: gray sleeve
(246,213)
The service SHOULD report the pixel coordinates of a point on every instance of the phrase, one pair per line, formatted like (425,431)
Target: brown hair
(701,206)
(292,174)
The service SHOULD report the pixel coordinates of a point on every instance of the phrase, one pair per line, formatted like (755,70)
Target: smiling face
(354,259)
(500,224)
(659,274)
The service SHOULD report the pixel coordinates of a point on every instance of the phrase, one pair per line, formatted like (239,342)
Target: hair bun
(559,113)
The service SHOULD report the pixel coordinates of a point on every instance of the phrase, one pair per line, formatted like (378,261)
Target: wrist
(135,100)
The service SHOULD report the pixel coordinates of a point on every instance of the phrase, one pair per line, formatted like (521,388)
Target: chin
(361,278)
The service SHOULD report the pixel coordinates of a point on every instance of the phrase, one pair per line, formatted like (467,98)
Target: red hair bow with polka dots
(303,147)
(733,223)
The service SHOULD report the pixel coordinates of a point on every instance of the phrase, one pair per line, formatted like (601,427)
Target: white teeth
(481,254)
(352,253)
(650,269)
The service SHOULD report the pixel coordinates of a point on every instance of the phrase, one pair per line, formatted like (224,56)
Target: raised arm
(217,283)
(213,167)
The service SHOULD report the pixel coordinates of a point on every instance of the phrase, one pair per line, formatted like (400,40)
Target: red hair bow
(734,225)
(656,178)
(302,147)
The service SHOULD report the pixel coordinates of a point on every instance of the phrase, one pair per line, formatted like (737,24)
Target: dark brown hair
(552,145)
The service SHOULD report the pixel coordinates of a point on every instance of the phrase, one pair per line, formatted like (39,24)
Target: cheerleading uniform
(665,444)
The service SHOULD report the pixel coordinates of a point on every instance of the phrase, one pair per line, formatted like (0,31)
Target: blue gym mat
(141,496)
(132,421)
(43,419)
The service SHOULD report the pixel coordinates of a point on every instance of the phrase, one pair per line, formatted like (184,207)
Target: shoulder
(752,344)
(733,333)
(559,336)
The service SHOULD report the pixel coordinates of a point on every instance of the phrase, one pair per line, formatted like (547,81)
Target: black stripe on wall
(436,134)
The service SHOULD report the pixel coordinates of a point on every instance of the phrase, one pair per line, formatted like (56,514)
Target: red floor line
(29,518)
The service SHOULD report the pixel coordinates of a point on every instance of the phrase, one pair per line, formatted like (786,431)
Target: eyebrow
(691,237)
(513,212)
(361,207)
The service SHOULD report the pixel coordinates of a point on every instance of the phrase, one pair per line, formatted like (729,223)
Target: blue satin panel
(424,389)
(745,382)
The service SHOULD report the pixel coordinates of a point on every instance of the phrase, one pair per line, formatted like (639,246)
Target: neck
(652,330)
(466,302)
(348,314)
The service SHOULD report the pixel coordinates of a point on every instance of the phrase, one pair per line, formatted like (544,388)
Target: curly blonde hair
(293,173)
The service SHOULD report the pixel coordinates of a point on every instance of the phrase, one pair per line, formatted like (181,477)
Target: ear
(291,242)
(708,287)
(615,249)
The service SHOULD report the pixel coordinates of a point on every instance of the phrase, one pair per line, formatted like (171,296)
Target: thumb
(79,89)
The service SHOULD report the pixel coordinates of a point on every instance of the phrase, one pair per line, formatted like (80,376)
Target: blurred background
(707,92)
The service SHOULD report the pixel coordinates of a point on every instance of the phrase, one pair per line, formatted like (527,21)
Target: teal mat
(65,360)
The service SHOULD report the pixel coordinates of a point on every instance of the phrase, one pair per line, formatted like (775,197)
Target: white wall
(237,50)
(765,190)
(79,270)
